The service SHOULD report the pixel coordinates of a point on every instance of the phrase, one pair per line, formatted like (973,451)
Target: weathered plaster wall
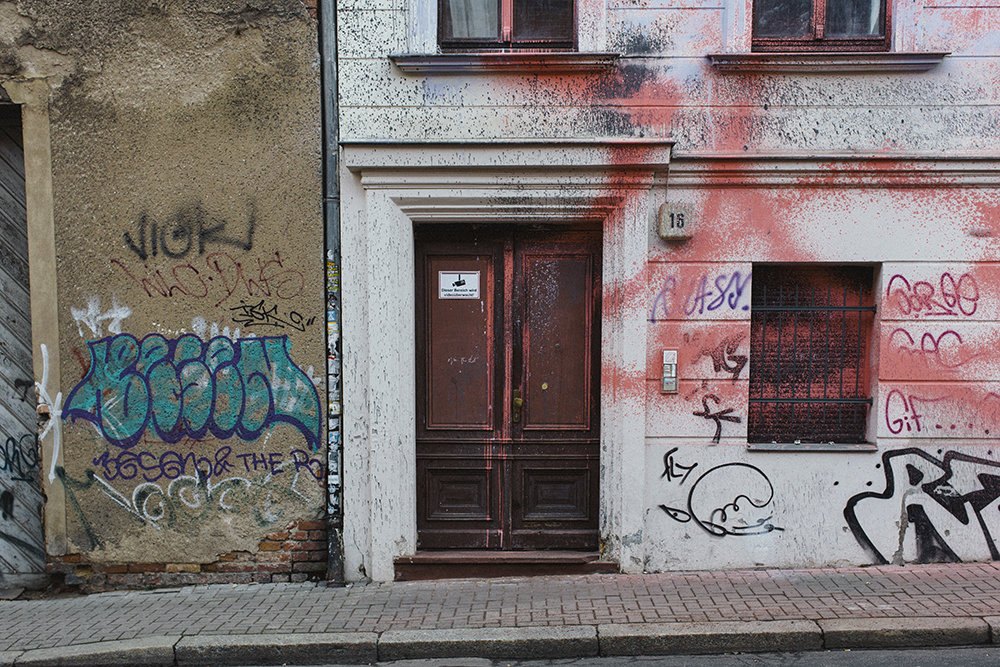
(664,86)
(187,377)
(810,167)
(933,379)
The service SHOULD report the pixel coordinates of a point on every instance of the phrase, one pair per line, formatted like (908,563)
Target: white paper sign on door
(458,284)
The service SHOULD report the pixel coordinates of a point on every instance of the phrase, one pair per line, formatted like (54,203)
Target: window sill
(511,61)
(809,447)
(817,62)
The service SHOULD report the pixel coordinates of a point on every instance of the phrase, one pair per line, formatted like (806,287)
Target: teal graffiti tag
(188,388)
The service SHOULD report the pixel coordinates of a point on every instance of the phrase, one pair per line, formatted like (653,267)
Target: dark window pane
(549,20)
(781,18)
(471,19)
(854,18)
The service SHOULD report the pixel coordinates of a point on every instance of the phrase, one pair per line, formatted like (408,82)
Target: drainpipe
(331,216)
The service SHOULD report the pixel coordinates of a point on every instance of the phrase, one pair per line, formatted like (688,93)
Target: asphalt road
(934,657)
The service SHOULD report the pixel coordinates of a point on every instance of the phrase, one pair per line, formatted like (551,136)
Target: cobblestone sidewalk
(952,590)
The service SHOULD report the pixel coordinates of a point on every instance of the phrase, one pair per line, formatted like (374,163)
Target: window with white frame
(820,25)
(506,24)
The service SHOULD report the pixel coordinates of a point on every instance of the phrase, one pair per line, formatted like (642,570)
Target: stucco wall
(932,372)
(186,376)
(664,85)
(889,169)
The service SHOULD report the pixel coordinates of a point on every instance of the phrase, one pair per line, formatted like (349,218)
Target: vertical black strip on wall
(329,91)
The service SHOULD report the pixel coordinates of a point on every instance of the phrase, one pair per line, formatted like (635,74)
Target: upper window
(810,331)
(506,24)
(827,25)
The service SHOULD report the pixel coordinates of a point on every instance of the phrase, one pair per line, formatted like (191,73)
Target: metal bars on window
(810,330)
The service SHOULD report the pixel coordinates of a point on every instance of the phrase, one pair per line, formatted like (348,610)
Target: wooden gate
(508,358)
(22,547)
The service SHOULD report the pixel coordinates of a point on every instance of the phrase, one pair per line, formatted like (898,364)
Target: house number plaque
(675,222)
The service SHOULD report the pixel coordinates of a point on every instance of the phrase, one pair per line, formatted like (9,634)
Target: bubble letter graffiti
(189,388)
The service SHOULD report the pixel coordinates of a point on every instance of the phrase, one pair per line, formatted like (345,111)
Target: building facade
(639,285)
(163,212)
(690,284)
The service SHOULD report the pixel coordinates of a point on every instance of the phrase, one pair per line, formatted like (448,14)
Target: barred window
(809,341)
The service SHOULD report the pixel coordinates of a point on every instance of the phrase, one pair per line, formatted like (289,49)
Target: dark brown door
(508,358)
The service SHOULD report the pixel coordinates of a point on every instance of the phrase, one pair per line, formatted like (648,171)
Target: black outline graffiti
(719,417)
(671,468)
(724,357)
(71,485)
(251,315)
(7,505)
(714,523)
(932,547)
(188,227)
(20,458)
(22,385)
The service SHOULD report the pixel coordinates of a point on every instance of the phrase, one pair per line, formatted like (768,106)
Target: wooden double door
(508,380)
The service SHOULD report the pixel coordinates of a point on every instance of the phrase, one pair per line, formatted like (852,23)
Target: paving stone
(903,632)
(277,649)
(717,637)
(952,591)
(7,658)
(500,643)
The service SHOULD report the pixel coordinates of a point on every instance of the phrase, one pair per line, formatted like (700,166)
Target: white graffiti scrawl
(54,408)
(94,318)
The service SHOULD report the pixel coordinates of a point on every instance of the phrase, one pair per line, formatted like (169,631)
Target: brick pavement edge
(499,643)
(903,632)
(277,649)
(145,651)
(711,637)
(520,642)
(994,623)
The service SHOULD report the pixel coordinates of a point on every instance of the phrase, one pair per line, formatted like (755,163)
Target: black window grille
(810,333)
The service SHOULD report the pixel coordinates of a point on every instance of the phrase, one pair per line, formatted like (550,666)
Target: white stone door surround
(389,186)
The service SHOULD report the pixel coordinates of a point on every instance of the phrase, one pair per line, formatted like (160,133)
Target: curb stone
(722,637)
(277,649)
(994,623)
(483,644)
(903,632)
(147,651)
(445,662)
(578,641)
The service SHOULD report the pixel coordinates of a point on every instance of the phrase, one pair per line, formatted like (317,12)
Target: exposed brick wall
(311,6)
(296,553)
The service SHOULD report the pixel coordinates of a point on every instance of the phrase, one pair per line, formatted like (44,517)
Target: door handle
(516,404)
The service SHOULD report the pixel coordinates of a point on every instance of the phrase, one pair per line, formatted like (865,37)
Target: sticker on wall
(458,284)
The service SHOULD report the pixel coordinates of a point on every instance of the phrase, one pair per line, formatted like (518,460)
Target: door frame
(502,458)
(386,188)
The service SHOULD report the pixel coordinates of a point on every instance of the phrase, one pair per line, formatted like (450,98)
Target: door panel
(460,343)
(556,339)
(492,475)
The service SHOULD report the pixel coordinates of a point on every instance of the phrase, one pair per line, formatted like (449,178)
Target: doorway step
(490,564)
